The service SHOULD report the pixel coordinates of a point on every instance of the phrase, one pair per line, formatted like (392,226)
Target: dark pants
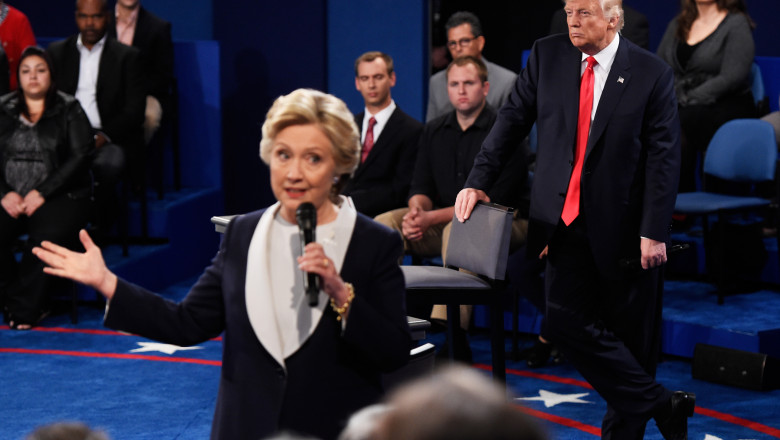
(699,124)
(108,167)
(609,329)
(25,285)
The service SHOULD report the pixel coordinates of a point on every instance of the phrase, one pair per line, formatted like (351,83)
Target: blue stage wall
(270,48)
(267,49)
(398,28)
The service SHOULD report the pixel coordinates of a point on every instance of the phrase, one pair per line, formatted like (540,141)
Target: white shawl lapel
(257,289)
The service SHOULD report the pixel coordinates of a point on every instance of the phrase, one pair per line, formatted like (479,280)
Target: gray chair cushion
(430,277)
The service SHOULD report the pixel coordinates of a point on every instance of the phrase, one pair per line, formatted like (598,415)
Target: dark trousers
(699,124)
(24,284)
(609,329)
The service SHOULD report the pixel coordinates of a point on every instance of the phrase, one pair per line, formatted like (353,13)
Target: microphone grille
(306,215)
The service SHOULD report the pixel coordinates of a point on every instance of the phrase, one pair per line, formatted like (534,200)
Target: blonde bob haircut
(330,114)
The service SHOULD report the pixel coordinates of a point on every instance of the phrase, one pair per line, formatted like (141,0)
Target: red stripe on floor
(547,377)
(84,331)
(755,426)
(561,421)
(112,356)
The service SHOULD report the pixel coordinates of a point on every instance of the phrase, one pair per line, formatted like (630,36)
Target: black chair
(479,245)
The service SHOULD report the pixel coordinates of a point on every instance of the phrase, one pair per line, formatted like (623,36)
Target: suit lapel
(617,81)
(71,64)
(570,89)
(385,138)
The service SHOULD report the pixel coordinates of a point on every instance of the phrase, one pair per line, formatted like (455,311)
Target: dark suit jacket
(629,178)
(153,38)
(381,183)
(636,27)
(120,87)
(333,374)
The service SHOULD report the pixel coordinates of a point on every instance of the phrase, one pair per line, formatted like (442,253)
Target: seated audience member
(465,38)
(710,48)
(456,403)
(445,156)
(16,34)
(636,28)
(66,431)
(137,27)
(106,78)
(389,140)
(287,365)
(45,145)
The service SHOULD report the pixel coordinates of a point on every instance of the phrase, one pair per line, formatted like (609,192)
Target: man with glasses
(464,37)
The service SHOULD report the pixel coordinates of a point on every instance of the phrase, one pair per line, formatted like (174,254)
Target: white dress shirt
(381,120)
(605,59)
(86,92)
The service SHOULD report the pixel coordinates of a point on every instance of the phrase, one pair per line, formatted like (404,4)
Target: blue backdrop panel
(398,28)
(267,49)
(200,115)
(770,72)
(190,21)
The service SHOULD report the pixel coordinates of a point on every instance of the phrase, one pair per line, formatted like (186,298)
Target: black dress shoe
(673,421)
(538,355)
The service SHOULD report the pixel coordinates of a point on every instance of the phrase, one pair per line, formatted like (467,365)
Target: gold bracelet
(343,309)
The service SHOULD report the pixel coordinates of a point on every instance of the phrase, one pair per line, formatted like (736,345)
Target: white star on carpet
(551,399)
(163,348)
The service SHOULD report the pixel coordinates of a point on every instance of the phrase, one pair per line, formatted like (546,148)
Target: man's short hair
(371,56)
(612,8)
(462,17)
(468,59)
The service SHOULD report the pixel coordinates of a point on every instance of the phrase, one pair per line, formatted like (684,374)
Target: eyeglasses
(463,42)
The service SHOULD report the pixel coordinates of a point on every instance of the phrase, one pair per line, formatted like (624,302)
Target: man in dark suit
(137,27)
(381,181)
(106,78)
(603,193)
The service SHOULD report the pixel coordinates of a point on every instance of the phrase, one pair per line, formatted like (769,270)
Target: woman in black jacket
(45,146)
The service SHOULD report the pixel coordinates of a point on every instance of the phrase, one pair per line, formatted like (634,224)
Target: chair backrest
(481,243)
(742,150)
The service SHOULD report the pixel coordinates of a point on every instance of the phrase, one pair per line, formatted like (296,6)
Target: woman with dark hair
(45,146)
(710,47)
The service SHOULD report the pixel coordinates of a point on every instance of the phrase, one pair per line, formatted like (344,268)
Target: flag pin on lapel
(620,79)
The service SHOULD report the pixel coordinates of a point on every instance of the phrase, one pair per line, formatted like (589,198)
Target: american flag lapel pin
(620,79)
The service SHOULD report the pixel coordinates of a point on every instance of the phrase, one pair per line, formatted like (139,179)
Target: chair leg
(453,320)
(74,310)
(514,354)
(124,229)
(721,263)
(497,339)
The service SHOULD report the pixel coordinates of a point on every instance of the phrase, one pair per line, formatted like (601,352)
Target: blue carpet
(88,373)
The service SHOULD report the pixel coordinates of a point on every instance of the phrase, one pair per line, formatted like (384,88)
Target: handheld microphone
(306,216)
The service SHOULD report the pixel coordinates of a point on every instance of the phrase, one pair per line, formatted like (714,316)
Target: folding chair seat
(481,246)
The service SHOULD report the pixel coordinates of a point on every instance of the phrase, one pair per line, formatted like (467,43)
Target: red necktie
(571,207)
(368,142)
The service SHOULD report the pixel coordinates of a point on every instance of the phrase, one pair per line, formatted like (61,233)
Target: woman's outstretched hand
(87,268)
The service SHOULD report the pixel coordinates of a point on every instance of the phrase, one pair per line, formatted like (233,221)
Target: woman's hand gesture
(87,268)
